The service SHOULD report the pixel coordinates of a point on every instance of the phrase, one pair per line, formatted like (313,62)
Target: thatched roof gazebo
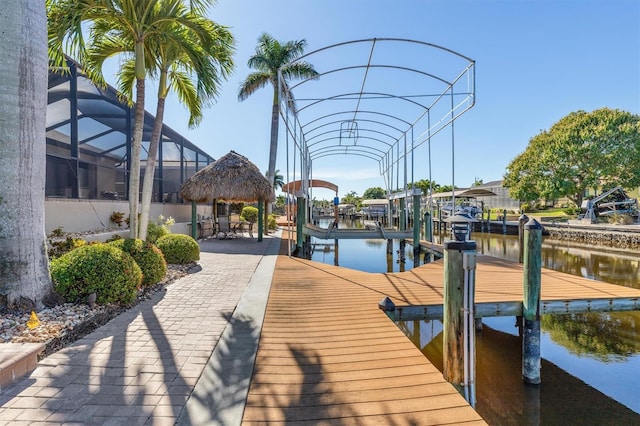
(232,178)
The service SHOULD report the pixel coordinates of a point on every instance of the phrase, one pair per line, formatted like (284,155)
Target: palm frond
(252,83)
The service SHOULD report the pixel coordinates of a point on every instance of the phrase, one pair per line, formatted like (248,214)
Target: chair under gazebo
(233,179)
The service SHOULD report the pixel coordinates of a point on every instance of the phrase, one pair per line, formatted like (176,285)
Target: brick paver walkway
(142,367)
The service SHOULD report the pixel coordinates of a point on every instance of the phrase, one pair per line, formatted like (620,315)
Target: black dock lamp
(460,226)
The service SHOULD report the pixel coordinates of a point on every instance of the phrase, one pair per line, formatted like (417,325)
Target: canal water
(591,362)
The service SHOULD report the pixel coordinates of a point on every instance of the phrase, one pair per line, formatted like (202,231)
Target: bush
(179,248)
(571,211)
(250,214)
(97,268)
(148,257)
(61,247)
(159,228)
(272,222)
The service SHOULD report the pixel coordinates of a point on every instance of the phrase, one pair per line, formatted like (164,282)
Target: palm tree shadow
(220,394)
(92,374)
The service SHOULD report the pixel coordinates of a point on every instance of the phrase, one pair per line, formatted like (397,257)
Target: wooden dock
(329,355)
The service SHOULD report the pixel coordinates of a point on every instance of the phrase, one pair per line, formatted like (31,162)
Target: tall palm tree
(134,20)
(192,63)
(24,272)
(278,180)
(272,56)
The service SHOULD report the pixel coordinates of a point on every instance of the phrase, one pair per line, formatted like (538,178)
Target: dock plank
(328,355)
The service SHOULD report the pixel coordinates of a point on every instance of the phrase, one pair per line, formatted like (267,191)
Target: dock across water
(328,355)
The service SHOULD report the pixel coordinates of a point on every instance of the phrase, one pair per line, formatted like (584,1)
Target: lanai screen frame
(69,96)
(391,138)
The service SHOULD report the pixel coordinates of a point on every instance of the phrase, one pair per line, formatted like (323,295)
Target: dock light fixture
(460,226)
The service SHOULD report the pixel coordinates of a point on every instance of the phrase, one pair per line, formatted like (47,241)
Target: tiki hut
(232,178)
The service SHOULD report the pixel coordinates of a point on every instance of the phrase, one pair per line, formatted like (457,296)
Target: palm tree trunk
(24,268)
(150,170)
(134,171)
(273,151)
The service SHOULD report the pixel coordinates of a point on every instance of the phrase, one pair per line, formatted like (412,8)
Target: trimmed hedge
(97,268)
(148,257)
(179,248)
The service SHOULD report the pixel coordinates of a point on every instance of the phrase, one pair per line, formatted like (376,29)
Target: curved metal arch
(374,40)
(359,130)
(394,39)
(382,123)
(361,137)
(435,77)
(386,95)
(358,154)
(359,148)
(359,112)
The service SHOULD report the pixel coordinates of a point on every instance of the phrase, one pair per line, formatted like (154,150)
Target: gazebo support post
(260,219)
(194,223)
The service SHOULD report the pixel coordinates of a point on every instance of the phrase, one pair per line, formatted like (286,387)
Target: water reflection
(502,397)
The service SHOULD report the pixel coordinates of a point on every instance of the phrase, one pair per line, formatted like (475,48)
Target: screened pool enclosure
(89,131)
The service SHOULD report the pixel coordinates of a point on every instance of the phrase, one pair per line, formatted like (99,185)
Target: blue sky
(536,61)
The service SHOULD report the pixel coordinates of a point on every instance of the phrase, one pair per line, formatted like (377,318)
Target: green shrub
(58,248)
(272,222)
(159,228)
(250,214)
(117,218)
(97,268)
(572,210)
(114,237)
(179,248)
(148,257)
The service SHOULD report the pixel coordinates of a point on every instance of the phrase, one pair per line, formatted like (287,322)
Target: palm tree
(133,20)
(270,58)
(278,180)
(24,271)
(192,63)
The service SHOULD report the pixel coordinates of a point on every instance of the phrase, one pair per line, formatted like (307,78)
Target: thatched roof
(232,178)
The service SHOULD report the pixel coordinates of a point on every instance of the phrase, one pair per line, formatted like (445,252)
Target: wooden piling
(428,229)
(458,322)
(504,221)
(416,224)
(300,219)
(522,220)
(531,302)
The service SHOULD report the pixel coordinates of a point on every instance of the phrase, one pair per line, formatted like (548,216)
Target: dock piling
(531,302)
(416,223)
(428,227)
(504,221)
(459,324)
(522,220)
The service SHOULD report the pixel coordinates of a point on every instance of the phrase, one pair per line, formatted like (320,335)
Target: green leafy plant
(272,222)
(58,248)
(57,245)
(250,214)
(97,268)
(159,228)
(57,233)
(148,257)
(179,248)
(117,218)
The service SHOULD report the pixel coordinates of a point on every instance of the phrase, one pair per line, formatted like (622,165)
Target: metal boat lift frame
(377,119)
